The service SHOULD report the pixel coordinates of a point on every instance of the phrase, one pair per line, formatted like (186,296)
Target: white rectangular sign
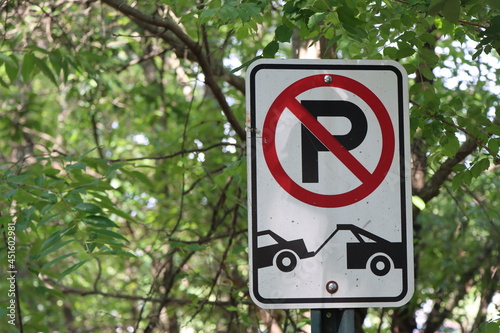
(329,188)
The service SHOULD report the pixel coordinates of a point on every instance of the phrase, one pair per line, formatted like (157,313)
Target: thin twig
(465,131)
(95,133)
(232,233)
(481,205)
(170,300)
(139,60)
(180,152)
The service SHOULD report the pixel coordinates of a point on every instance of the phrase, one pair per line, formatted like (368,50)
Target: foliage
(489,326)
(122,156)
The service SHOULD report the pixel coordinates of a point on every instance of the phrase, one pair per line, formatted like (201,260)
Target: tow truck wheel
(286,261)
(380,265)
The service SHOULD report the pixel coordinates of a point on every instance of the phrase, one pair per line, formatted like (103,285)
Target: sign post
(332,321)
(329,188)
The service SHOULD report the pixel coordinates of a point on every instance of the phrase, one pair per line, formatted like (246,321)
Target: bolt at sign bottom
(332,287)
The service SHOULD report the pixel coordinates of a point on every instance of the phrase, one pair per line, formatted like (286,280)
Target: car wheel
(286,261)
(380,265)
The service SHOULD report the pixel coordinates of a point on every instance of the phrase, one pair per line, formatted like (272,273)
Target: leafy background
(122,157)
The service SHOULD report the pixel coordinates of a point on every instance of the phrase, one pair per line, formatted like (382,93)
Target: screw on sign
(329,199)
(332,287)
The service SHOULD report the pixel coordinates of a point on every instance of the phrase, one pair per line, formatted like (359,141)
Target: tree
(123,156)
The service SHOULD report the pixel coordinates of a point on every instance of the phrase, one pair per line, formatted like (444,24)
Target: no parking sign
(329,190)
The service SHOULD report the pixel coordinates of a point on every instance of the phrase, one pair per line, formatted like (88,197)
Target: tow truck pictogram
(377,253)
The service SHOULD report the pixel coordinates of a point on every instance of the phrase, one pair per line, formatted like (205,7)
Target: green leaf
(451,10)
(428,38)
(51,172)
(70,270)
(20,178)
(3,83)
(405,52)
(121,214)
(271,49)
(52,239)
(76,166)
(494,4)
(9,194)
(140,177)
(467,177)
(28,65)
(418,202)
(243,32)
(227,15)
(74,197)
(108,233)
(435,6)
(459,167)
(451,146)
(109,172)
(351,24)
(244,15)
(55,261)
(332,41)
(7,60)
(11,66)
(89,208)
(86,153)
(390,52)
(40,63)
(283,34)
(195,247)
(480,166)
(54,248)
(116,253)
(208,13)
(48,218)
(347,16)
(429,56)
(426,72)
(244,65)
(494,145)
(23,222)
(99,221)
(457,181)
(410,68)
(48,196)
(492,327)
(314,21)
(432,101)
(408,36)
(252,8)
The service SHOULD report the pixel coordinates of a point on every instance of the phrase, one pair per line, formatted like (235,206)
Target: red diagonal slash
(328,140)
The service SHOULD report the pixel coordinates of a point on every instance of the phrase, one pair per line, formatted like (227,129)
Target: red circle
(328,200)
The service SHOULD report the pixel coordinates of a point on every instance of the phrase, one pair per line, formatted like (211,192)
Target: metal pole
(332,321)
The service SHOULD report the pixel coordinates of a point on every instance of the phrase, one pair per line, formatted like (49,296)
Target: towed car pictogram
(370,252)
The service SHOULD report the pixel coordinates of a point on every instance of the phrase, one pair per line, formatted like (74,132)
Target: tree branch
(95,134)
(479,142)
(195,48)
(180,152)
(433,185)
(170,300)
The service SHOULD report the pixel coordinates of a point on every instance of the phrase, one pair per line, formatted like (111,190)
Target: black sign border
(253,144)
